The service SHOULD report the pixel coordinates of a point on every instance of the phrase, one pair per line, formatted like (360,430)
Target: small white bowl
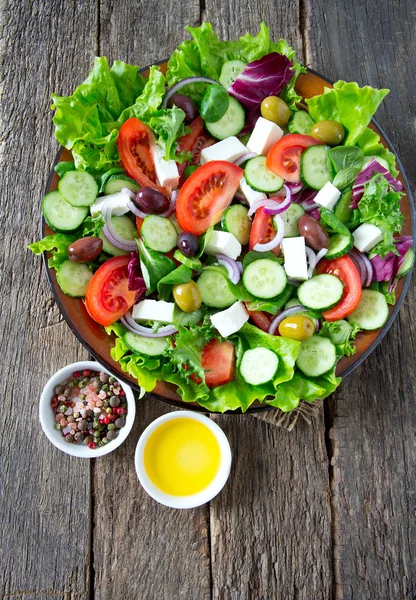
(192,500)
(47,415)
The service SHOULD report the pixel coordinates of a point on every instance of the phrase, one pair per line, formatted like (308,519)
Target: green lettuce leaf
(369,142)
(155,266)
(348,104)
(342,334)
(57,244)
(181,274)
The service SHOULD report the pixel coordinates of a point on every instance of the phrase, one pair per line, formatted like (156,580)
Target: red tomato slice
(187,142)
(346,271)
(261,319)
(203,141)
(218,362)
(108,297)
(135,145)
(206,194)
(139,223)
(284,157)
(262,231)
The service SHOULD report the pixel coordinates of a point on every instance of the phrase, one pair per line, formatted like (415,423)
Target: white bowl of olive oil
(183,459)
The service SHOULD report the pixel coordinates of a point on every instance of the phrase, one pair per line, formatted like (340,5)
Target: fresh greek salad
(232,236)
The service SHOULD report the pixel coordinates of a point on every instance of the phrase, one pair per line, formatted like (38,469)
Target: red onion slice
(282,205)
(136,211)
(278,221)
(359,264)
(148,332)
(293,310)
(111,234)
(317,325)
(242,159)
(266,203)
(321,254)
(231,266)
(129,193)
(311,258)
(365,266)
(309,205)
(239,266)
(240,197)
(189,80)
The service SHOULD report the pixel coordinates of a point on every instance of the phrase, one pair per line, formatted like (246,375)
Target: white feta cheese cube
(366,236)
(229,149)
(154,310)
(166,170)
(265,134)
(249,194)
(230,320)
(222,242)
(117,201)
(295,258)
(328,196)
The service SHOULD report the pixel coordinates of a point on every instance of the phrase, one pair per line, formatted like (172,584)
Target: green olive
(274,109)
(329,132)
(187,296)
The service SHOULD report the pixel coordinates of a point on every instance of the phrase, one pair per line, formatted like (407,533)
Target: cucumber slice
(230,71)
(230,124)
(236,221)
(144,345)
(193,263)
(321,292)
(342,208)
(407,264)
(292,302)
(291,218)
(159,233)
(73,278)
(79,188)
(317,356)
(339,245)
(264,278)
(258,365)
(372,311)
(117,182)
(301,122)
(214,289)
(314,169)
(381,161)
(60,215)
(260,178)
(124,227)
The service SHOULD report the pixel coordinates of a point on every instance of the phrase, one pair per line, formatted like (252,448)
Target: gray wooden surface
(320,513)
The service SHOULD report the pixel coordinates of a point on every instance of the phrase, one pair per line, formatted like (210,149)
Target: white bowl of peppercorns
(85,411)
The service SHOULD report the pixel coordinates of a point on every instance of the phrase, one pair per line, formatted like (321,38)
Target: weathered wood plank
(45,495)
(142,549)
(373,415)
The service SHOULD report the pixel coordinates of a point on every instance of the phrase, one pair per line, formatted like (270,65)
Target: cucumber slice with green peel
(292,302)
(125,228)
(264,278)
(159,233)
(342,208)
(339,245)
(321,292)
(258,365)
(230,124)
(260,178)
(314,169)
(117,182)
(236,221)
(193,263)
(79,188)
(381,161)
(144,345)
(230,71)
(372,311)
(73,278)
(291,218)
(60,215)
(214,289)
(317,356)
(301,122)
(407,264)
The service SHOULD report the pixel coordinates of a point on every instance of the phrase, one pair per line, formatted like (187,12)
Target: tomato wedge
(284,157)
(261,319)
(262,231)
(218,361)
(135,145)
(108,297)
(206,194)
(139,223)
(346,271)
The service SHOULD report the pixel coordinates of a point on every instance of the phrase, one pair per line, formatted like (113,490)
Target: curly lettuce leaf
(348,104)
(369,142)
(57,244)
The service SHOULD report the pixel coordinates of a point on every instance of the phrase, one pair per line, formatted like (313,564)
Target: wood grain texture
(45,495)
(373,416)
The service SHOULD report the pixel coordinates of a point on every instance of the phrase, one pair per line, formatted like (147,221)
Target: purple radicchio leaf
(135,278)
(365,175)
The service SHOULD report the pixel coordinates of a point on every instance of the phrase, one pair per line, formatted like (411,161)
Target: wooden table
(324,512)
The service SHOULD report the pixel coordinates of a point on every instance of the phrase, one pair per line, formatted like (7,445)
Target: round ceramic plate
(99,344)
